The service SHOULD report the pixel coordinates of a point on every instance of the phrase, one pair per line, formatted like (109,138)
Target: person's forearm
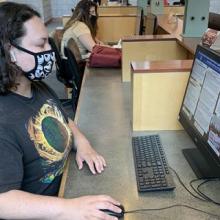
(17,204)
(76,132)
(87,41)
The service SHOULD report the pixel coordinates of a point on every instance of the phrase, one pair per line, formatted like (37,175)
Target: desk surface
(104,117)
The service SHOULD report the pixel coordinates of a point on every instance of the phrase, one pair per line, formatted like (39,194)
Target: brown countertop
(161,66)
(148,38)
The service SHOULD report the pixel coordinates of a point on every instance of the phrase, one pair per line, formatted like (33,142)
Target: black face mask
(93,19)
(43,63)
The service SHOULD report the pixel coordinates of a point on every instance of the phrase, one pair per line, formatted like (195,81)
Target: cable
(172,206)
(203,197)
(203,194)
(195,190)
(181,182)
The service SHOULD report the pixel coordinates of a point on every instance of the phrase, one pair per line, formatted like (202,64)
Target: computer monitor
(200,113)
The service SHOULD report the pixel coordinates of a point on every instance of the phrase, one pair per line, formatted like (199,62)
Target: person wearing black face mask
(82,27)
(36,135)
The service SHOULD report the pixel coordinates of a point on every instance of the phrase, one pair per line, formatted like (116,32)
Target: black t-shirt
(35,141)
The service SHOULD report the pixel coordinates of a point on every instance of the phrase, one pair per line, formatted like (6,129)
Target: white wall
(42,6)
(133,2)
(215,6)
(62,7)
(37,5)
(57,7)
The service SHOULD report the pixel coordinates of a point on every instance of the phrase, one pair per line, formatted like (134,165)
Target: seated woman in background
(82,27)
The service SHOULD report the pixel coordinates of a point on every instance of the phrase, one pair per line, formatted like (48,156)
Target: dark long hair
(81,13)
(12,19)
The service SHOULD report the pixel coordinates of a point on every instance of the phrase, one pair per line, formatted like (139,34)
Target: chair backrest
(59,63)
(71,67)
(67,68)
(73,71)
(57,36)
(61,76)
(72,45)
(75,61)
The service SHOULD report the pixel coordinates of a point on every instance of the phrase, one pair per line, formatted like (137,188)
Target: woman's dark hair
(12,19)
(82,13)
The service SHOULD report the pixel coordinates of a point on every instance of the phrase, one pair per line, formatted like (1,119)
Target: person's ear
(13,57)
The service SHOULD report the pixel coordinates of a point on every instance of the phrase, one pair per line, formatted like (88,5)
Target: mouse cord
(198,190)
(201,195)
(181,182)
(169,207)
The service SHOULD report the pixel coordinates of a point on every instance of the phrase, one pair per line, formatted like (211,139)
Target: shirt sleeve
(11,163)
(81,29)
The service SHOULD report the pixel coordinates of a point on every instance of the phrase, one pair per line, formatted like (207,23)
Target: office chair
(59,65)
(73,70)
(66,76)
(74,62)
(57,36)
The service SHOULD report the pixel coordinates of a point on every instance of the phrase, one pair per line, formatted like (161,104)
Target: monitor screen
(200,113)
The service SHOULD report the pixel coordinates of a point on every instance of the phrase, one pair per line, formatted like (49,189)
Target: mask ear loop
(22,49)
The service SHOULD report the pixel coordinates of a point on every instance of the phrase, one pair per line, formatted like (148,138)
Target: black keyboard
(152,171)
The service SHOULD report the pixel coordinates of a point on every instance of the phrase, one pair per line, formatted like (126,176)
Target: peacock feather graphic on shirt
(52,139)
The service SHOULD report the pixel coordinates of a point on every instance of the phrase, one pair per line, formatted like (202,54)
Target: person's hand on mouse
(88,208)
(86,153)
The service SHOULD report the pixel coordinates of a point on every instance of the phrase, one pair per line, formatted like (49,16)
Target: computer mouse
(118,215)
